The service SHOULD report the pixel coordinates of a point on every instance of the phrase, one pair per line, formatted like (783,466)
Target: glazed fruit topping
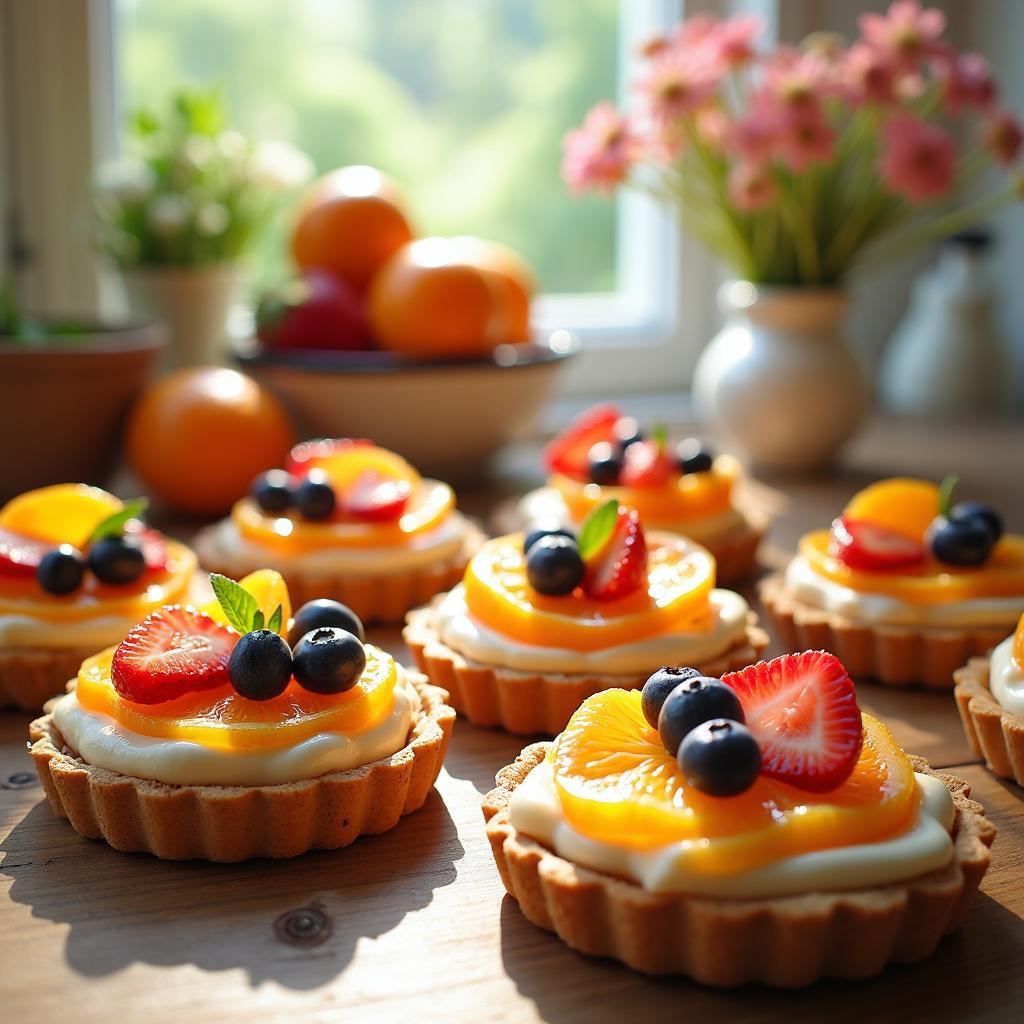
(802,709)
(314,496)
(19,555)
(260,667)
(554,565)
(272,491)
(174,651)
(569,452)
(693,702)
(720,757)
(1018,643)
(377,497)
(614,552)
(61,570)
(861,545)
(324,612)
(306,454)
(117,560)
(627,432)
(647,463)
(965,534)
(537,532)
(693,457)
(604,463)
(659,686)
(328,660)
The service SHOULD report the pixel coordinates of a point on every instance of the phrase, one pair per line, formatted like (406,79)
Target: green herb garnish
(946,489)
(597,528)
(113,525)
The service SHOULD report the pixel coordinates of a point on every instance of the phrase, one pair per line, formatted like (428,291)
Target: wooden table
(414,925)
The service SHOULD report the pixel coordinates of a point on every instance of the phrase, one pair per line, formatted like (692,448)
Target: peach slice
(59,514)
(902,505)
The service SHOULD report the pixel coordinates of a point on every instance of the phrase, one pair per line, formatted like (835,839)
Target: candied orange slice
(59,514)
(223,719)
(680,575)
(1018,643)
(901,504)
(931,583)
(690,497)
(346,463)
(267,586)
(617,784)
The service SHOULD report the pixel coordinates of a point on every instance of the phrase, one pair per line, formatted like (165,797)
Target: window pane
(464,101)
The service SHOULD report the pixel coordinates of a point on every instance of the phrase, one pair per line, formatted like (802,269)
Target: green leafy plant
(597,528)
(113,525)
(240,606)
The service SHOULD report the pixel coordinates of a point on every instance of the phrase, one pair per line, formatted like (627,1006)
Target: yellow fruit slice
(680,575)
(348,462)
(59,514)
(1018,643)
(269,589)
(617,784)
(902,505)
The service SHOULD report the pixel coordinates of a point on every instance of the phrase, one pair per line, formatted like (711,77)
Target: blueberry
(720,758)
(961,542)
(978,510)
(693,457)
(328,660)
(627,432)
(116,560)
(260,666)
(659,686)
(314,497)
(604,464)
(551,531)
(694,701)
(323,612)
(60,571)
(272,491)
(554,566)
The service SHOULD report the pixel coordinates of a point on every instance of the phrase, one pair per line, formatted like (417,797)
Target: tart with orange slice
(347,520)
(753,827)
(542,621)
(679,487)
(240,730)
(905,586)
(78,569)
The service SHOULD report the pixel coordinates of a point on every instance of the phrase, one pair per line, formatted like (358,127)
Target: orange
(902,505)
(1018,643)
(680,576)
(59,514)
(197,438)
(931,584)
(616,783)
(349,223)
(428,300)
(514,280)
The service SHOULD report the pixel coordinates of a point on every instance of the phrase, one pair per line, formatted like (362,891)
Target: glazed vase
(778,380)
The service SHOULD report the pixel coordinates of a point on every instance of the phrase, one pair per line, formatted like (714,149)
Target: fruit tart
(753,827)
(681,488)
(78,569)
(234,731)
(990,697)
(349,521)
(905,586)
(539,622)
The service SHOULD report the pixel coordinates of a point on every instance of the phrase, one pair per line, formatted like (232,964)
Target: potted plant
(799,167)
(178,213)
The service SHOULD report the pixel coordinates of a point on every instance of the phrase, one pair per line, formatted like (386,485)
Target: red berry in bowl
(314,312)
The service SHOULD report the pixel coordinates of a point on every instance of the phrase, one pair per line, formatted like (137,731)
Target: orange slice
(221,718)
(59,514)
(690,497)
(680,575)
(931,584)
(269,589)
(902,505)
(617,784)
(1018,643)
(348,462)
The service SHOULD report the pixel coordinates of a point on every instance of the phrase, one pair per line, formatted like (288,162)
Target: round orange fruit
(514,280)
(349,223)
(198,437)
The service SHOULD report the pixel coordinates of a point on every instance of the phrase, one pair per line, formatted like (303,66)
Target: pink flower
(797,79)
(907,33)
(600,153)
(751,187)
(918,159)
(677,83)
(694,31)
(805,138)
(1003,137)
(713,126)
(967,82)
(870,75)
(732,41)
(753,136)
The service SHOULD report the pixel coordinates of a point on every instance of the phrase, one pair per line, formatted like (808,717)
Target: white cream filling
(810,587)
(223,542)
(1006,678)
(456,627)
(546,505)
(103,742)
(534,810)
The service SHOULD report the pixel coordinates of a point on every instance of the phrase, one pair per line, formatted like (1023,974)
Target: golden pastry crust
(527,703)
(30,676)
(377,599)
(234,823)
(786,942)
(893,655)
(996,734)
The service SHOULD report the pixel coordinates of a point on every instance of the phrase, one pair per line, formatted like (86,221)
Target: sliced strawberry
(307,451)
(802,709)
(174,651)
(152,542)
(377,497)
(19,555)
(569,452)
(647,464)
(862,545)
(619,567)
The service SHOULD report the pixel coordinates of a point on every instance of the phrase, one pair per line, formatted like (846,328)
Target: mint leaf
(257,620)
(276,620)
(113,525)
(239,605)
(946,489)
(659,435)
(597,528)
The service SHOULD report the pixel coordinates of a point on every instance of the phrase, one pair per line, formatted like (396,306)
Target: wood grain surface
(414,926)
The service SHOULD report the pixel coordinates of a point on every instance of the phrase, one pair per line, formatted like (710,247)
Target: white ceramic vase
(193,302)
(778,379)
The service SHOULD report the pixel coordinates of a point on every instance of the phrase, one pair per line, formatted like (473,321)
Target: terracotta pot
(63,400)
